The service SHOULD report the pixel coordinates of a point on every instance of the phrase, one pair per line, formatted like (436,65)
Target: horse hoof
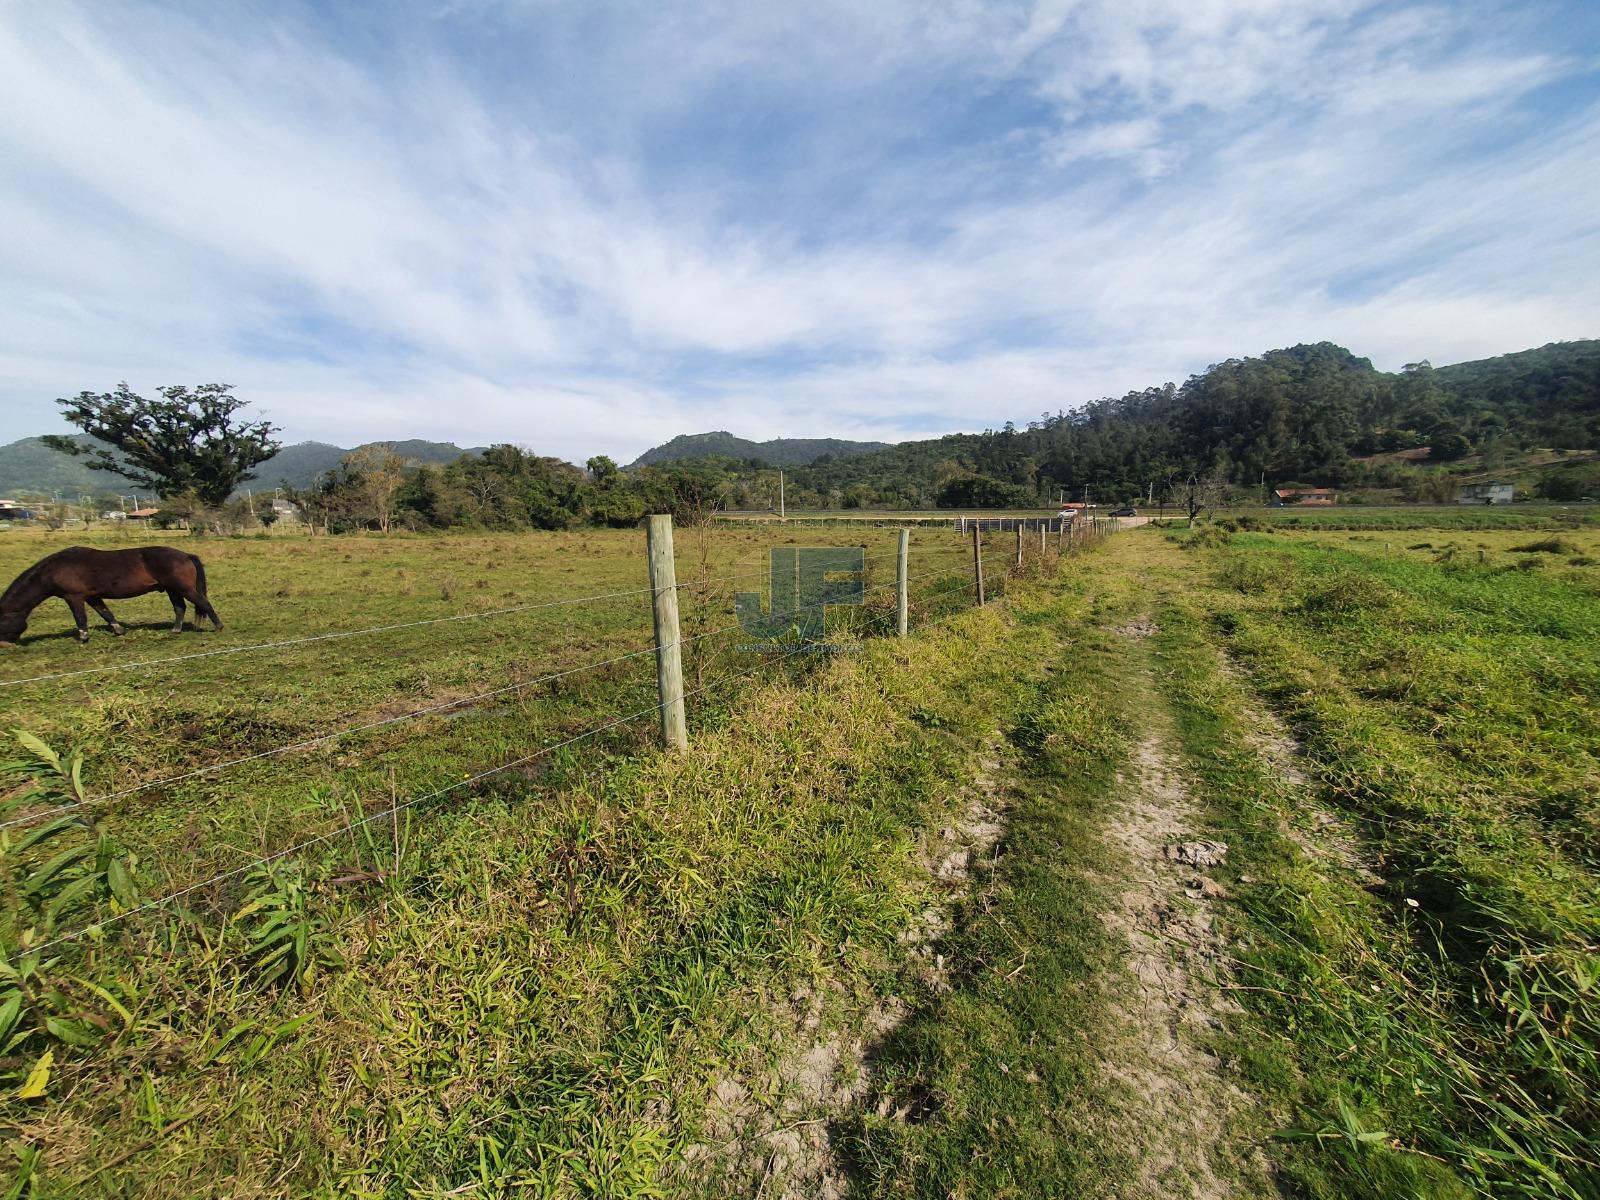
(118,630)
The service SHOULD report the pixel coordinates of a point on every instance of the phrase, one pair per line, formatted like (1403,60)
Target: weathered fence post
(1061,534)
(1041,539)
(1019,545)
(977,561)
(669,657)
(902,560)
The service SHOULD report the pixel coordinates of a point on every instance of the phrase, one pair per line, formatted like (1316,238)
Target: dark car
(1130,511)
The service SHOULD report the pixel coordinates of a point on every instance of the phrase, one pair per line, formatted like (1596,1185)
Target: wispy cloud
(586,227)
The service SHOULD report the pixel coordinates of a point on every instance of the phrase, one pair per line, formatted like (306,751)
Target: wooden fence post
(1041,539)
(977,561)
(1061,534)
(902,560)
(1019,545)
(669,657)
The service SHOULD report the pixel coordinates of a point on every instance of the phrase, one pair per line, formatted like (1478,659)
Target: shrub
(1549,545)
(1343,594)
(1207,538)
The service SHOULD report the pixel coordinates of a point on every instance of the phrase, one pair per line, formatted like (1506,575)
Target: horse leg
(79,615)
(99,606)
(177,610)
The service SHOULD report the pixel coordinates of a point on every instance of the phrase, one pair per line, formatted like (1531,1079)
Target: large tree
(186,443)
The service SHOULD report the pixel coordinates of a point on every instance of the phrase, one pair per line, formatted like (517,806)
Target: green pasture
(548,980)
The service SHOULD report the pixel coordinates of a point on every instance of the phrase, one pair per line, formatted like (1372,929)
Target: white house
(1486,493)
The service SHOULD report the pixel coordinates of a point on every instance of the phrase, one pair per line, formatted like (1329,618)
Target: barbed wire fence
(667,646)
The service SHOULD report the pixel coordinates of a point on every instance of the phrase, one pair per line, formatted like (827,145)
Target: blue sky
(585,227)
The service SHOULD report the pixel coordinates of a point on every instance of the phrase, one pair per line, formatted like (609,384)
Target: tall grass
(1447,709)
(530,985)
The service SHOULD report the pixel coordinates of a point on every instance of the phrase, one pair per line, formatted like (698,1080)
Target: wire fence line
(387,813)
(334,635)
(456,703)
(339,634)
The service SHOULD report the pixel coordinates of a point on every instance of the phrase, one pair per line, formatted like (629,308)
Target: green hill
(1308,414)
(31,466)
(779,452)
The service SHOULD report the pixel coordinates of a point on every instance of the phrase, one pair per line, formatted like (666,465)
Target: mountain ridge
(775,452)
(28,465)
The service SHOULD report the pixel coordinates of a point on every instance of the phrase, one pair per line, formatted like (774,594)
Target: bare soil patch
(767,1126)
(1183,1102)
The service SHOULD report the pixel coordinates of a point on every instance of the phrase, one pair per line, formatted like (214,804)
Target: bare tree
(1201,492)
(379,473)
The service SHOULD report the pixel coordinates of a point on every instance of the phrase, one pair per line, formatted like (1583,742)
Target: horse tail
(199,575)
(203,609)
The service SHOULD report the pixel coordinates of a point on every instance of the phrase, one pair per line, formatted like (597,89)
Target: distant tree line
(1307,415)
(505,487)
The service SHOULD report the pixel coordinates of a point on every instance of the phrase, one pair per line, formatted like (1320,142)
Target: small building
(1494,492)
(1303,497)
(142,514)
(13,510)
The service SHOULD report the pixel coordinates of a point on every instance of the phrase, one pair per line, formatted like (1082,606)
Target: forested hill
(29,465)
(779,452)
(1308,414)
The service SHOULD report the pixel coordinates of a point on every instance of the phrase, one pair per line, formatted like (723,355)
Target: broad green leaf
(10,1014)
(255,905)
(43,833)
(74,1033)
(38,748)
(37,883)
(121,884)
(70,895)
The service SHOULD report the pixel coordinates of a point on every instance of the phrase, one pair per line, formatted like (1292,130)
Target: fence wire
(456,785)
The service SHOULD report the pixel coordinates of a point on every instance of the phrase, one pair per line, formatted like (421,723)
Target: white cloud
(396,246)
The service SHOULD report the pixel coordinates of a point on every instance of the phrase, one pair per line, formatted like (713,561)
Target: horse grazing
(80,575)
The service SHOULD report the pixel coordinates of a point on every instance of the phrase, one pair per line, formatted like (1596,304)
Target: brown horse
(80,575)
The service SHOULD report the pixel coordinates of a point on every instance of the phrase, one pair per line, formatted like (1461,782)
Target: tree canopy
(187,443)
